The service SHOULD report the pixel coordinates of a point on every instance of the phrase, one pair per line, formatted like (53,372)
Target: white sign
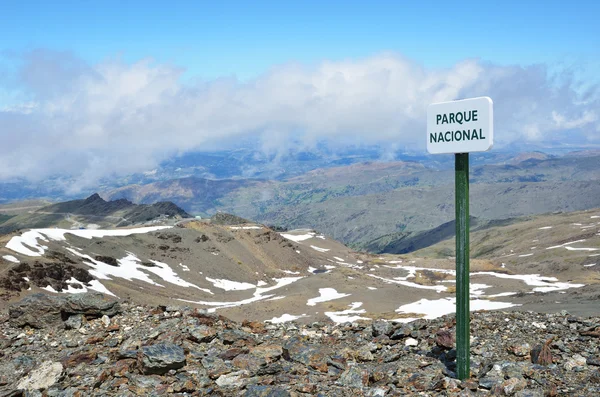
(460,126)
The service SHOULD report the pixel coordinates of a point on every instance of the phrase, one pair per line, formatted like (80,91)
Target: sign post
(461,127)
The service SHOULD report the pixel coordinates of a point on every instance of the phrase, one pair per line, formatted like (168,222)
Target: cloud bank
(91,121)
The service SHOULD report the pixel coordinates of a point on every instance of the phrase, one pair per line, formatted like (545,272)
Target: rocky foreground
(87,345)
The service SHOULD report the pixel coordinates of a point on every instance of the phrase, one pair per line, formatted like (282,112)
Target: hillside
(361,202)
(251,271)
(92,212)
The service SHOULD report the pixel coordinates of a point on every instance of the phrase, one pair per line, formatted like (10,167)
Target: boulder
(161,358)
(44,311)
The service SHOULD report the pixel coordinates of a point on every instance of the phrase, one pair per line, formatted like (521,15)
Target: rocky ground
(88,345)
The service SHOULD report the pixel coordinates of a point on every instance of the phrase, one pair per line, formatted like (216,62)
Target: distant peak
(94,198)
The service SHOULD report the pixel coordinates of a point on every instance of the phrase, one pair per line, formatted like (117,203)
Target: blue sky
(212,39)
(84,82)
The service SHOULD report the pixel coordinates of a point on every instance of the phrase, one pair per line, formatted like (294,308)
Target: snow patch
(297,237)
(431,309)
(11,258)
(259,295)
(284,318)
(319,249)
(348,315)
(562,245)
(229,285)
(327,294)
(28,244)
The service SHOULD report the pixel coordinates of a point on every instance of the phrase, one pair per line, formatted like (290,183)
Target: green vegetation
(4,218)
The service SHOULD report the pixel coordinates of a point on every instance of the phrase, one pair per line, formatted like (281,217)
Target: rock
(520,349)
(45,311)
(513,385)
(269,353)
(314,356)
(91,304)
(401,332)
(74,322)
(593,361)
(46,375)
(382,328)
(444,338)
(576,361)
(202,334)
(105,321)
(354,377)
(265,391)
(411,342)
(541,354)
(162,357)
(234,379)
(37,311)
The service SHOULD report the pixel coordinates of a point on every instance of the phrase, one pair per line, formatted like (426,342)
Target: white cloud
(90,121)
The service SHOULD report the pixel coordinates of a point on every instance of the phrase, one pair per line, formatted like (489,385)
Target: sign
(460,126)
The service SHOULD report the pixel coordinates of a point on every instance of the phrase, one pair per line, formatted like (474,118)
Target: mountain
(248,270)
(360,202)
(92,212)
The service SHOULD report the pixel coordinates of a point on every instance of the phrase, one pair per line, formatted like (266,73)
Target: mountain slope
(92,212)
(250,271)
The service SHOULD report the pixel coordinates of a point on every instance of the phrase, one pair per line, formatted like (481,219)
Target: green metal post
(461,167)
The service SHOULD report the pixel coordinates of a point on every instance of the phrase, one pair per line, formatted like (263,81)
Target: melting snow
(285,318)
(229,285)
(27,243)
(184,267)
(581,249)
(258,295)
(590,265)
(289,272)
(372,288)
(524,255)
(541,284)
(11,258)
(438,288)
(319,249)
(298,237)
(131,268)
(327,294)
(245,227)
(440,307)
(50,289)
(348,315)
(562,245)
(338,259)
(545,228)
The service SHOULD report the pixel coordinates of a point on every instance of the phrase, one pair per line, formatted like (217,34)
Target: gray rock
(47,374)
(354,377)
(162,357)
(265,391)
(74,322)
(45,311)
(382,328)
